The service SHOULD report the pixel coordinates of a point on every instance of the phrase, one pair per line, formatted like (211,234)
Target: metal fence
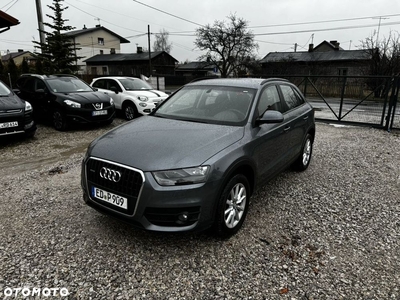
(355,100)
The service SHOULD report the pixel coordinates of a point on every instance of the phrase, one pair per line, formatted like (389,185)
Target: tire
(304,159)
(59,120)
(130,111)
(231,210)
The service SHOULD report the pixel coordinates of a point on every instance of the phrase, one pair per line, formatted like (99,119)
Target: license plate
(99,113)
(110,197)
(8,124)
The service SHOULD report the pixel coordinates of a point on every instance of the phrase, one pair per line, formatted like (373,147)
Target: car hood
(148,93)
(86,97)
(11,102)
(151,143)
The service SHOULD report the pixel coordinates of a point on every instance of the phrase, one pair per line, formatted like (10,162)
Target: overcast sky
(274,22)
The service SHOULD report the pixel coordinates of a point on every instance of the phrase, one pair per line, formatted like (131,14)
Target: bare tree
(385,54)
(229,46)
(385,59)
(161,43)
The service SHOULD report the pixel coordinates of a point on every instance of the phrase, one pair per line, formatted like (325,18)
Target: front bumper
(84,115)
(158,208)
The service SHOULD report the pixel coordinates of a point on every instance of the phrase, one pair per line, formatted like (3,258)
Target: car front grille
(129,185)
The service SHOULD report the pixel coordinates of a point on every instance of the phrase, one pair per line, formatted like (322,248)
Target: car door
(43,97)
(270,141)
(296,115)
(115,91)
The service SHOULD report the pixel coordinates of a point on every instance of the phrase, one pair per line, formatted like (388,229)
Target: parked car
(64,99)
(195,161)
(15,114)
(133,96)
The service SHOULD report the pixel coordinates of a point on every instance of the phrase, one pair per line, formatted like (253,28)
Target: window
(101,84)
(112,50)
(100,41)
(113,85)
(343,71)
(269,100)
(291,98)
(101,52)
(104,70)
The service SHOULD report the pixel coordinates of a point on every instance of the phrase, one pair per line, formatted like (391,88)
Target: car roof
(237,82)
(116,77)
(44,77)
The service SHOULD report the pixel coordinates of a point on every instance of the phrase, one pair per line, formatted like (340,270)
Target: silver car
(195,161)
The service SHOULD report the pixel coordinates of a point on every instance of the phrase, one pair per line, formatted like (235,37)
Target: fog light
(183,218)
(142,104)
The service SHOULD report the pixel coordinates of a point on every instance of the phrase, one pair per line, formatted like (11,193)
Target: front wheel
(303,161)
(232,206)
(59,120)
(130,111)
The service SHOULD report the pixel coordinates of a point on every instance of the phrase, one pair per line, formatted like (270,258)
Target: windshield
(4,90)
(209,104)
(68,85)
(131,84)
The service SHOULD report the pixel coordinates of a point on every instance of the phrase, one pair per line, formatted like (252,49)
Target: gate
(353,100)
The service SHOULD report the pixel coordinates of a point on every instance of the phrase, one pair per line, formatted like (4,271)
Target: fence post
(341,97)
(392,104)
(305,87)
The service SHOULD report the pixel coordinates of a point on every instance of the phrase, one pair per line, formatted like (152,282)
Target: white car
(131,95)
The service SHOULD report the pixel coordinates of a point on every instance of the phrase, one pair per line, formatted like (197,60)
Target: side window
(40,85)
(99,84)
(29,85)
(269,100)
(112,84)
(291,98)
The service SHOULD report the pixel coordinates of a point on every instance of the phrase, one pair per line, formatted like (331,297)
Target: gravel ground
(332,232)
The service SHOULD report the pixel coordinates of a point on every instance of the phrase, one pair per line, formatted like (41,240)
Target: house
(328,58)
(132,64)
(6,21)
(95,41)
(19,57)
(196,69)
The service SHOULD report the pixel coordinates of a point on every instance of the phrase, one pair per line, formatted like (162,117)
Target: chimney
(139,50)
(310,47)
(335,44)
(98,25)
(84,27)
(20,50)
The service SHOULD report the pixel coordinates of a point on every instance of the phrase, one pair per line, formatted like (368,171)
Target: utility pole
(148,37)
(379,27)
(295,47)
(40,21)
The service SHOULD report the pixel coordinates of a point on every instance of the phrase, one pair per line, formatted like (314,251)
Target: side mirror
(270,117)
(40,91)
(114,89)
(16,91)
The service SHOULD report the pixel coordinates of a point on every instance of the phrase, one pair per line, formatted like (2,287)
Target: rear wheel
(304,158)
(232,206)
(130,111)
(59,120)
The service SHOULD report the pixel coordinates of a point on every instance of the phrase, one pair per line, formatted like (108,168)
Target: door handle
(286,129)
(305,118)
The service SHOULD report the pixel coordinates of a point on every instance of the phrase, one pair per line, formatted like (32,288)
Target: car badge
(98,106)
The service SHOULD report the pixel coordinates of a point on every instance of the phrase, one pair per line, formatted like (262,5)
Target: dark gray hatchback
(195,161)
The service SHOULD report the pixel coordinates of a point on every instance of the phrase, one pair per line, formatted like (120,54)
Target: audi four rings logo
(110,174)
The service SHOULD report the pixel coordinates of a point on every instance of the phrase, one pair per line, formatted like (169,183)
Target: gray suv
(195,161)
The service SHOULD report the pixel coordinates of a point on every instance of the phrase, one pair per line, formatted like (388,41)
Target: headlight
(143,98)
(111,101)
(182,176)
(28,106)
(72,103)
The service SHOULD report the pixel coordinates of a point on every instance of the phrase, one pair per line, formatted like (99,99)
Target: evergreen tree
(58,52)
(24,67)
(12,70)
(39,67)
(2,75)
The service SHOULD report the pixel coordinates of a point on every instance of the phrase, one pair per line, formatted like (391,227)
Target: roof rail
(273,79)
